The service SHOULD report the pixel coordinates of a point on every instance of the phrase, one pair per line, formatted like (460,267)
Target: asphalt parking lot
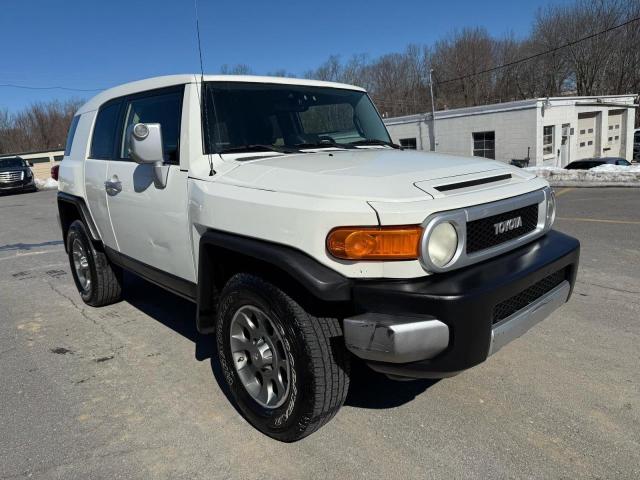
(130,390)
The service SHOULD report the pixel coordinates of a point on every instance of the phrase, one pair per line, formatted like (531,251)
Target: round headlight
(443,243)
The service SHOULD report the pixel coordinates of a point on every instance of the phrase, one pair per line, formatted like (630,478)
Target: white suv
(305,237)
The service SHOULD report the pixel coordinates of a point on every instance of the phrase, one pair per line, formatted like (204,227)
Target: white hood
(367,174)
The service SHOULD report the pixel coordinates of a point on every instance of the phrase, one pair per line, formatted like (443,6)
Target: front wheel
(287,370)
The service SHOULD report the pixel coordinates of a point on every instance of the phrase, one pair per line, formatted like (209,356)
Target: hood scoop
(461,184)
(471,183)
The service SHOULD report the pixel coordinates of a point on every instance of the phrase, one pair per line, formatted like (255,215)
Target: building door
(587,136)
(615,134)
(565,146)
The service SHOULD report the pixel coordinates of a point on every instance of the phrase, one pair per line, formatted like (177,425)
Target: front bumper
(26,184)
(437,326)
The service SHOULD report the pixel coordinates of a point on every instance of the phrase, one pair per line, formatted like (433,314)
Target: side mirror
(30,163)
(145,147)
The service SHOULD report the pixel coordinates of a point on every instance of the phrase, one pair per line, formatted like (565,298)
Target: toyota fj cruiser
(305,236)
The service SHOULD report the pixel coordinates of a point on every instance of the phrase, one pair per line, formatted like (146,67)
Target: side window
(104,131)
(165,109)
(70,135)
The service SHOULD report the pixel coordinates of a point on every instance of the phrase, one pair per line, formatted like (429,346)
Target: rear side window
(104,131)
(71,134)
(165,109)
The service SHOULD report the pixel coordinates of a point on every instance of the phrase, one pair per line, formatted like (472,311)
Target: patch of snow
(616,168)
(546,169)
(604,175)
(48,184)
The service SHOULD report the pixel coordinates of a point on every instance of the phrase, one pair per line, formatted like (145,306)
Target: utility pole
(433,113)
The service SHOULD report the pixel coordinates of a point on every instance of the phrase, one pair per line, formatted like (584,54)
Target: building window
(583,131)
(617,137)
(590,130)
(547,140)
(582,144)
(590,142)
(610,139)
(408,143)
(484,144)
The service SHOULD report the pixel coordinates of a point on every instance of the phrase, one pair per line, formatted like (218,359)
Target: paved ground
(129,391)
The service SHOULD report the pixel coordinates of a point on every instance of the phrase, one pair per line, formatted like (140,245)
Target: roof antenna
(203,109)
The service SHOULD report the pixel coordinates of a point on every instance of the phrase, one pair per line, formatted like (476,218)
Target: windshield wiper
(259,147)
(375,141)
(323,144)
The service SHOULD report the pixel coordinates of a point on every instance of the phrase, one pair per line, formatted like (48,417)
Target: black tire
(105,278)
(315,348)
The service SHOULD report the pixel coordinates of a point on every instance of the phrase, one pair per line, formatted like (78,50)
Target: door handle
(113,186)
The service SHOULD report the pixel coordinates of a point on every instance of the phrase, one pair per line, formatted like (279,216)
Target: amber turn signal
(375,243)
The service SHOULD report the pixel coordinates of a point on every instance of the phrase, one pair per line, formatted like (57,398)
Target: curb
(593,184)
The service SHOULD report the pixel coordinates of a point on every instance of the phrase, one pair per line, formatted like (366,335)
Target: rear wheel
(98,281)
(287,370)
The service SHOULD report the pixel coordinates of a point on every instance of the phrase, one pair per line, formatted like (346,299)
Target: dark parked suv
(588,163)
(15,174)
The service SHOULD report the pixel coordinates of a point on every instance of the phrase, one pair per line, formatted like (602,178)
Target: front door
(151,224)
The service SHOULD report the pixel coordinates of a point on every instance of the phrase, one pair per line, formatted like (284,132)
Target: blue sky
(90,44)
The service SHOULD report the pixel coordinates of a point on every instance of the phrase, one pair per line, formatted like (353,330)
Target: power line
(515,62)
(28,87)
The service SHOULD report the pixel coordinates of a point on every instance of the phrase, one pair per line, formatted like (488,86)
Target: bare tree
(239,69)
(42,126)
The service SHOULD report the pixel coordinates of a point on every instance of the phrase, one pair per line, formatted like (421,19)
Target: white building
(550,131)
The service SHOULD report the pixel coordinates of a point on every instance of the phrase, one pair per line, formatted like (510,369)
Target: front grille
(481,234)
(6,177)
(528,296)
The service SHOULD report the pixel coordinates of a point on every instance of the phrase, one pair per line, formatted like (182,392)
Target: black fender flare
(319,281)
(82,212)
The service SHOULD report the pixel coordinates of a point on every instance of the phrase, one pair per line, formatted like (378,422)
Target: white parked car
(305,237)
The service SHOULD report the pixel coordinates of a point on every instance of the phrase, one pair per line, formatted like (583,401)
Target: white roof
(170,80)
(605,100)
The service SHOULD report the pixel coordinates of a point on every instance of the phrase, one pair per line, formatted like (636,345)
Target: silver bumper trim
(517,324)
(388,338)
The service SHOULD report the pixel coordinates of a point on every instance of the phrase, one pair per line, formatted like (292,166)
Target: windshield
(248,116)
(11,163)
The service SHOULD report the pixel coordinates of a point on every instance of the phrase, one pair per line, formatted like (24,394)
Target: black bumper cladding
(472,300)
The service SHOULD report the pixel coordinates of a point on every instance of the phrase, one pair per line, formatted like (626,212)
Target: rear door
(151,224)
(101,150)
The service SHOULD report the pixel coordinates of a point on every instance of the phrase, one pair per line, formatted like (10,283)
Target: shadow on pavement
(170,310)
(373,390)
(368,389)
